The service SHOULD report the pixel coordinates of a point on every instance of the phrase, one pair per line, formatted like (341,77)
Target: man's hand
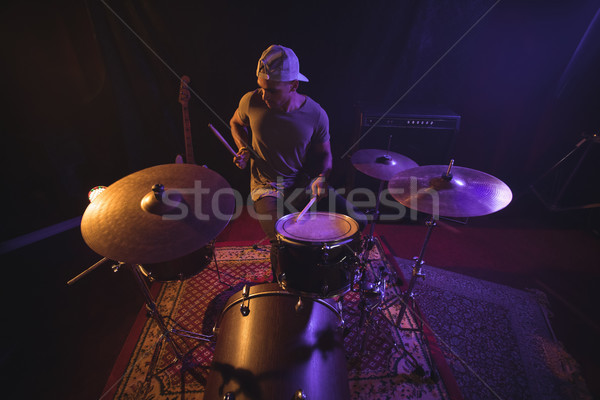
(242,157)
(319,187)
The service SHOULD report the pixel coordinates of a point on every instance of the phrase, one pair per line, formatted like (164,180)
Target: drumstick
(310,203)
(218,135)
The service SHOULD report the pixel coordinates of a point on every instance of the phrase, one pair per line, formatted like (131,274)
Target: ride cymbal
(381,164)
(158,214)
(464,193)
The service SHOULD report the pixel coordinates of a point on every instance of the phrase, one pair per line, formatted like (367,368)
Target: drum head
(317,227)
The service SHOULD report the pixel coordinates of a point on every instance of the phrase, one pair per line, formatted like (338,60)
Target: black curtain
(90,89)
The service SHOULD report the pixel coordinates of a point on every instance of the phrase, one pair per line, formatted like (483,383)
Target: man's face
(276,94)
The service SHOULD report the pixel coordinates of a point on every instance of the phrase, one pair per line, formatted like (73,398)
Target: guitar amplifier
(426,135)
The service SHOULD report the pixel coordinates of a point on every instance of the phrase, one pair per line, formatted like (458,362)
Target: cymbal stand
(416,273)
(167,334)
(371,303)
(371,240)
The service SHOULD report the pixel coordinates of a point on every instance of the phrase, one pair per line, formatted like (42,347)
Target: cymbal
(136,221)
(468,193)
(381,164)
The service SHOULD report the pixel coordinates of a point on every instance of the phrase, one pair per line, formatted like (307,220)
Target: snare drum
(271,344)
(316,254)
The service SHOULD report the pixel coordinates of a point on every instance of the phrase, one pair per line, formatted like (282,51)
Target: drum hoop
(277,293)
(331,244)
(349,236)
(311,295)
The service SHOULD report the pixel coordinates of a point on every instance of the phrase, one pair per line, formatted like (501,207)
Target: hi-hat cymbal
(133,221)
(381,164)
(465,193)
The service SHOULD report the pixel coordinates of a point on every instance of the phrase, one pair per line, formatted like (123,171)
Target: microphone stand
(553,204)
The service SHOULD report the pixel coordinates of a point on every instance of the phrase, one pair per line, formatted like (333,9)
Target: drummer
(290,135)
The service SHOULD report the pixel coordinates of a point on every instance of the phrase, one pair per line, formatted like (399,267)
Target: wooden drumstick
(218,135)
(310,203)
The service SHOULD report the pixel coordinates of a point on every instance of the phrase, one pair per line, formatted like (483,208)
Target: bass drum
(182,268)
(272,344)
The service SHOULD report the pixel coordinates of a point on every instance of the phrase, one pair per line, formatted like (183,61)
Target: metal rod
(416,272)
(153,309)
(87,271)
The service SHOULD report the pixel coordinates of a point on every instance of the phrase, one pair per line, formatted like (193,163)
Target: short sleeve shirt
(281,138)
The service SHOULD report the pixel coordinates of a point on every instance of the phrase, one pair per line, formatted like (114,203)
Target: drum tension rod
(245,306)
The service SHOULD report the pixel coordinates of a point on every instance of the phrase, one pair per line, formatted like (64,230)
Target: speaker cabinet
(425,135)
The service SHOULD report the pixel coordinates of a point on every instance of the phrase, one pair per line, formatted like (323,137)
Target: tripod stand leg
(167,334)
(553,204)
(217,269)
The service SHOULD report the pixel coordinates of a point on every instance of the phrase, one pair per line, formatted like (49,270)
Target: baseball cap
(279,63)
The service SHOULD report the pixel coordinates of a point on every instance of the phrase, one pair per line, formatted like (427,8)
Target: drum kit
(161,223)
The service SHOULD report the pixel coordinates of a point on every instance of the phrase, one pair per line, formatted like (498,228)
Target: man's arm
(241,139)
(322,156)
(323,163)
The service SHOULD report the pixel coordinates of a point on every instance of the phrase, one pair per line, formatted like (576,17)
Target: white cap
(279,63)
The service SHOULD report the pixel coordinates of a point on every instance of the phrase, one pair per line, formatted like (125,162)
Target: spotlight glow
(95,191)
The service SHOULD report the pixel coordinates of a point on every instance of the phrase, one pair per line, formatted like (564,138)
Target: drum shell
(318,269)
(278,349)
(182,268)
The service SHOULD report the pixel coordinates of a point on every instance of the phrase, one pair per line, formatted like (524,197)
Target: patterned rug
(382,361)
(497,340)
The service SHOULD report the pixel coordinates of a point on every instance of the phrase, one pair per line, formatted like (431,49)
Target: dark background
(85,103)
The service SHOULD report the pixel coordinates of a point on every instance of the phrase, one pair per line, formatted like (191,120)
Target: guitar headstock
(184,90)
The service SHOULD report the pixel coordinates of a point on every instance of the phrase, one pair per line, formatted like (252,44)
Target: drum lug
(324,289)
(245,306)
(282,280)
(299,395)
(325,252)
(340,308)
(229,396)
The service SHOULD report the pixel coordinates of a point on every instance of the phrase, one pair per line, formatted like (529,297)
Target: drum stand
(372,301)
(168,334)
(371,241)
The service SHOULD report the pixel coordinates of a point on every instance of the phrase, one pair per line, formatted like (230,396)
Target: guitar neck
(187,130)
(184,97)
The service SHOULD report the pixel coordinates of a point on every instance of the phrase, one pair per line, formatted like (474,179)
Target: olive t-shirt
(281,139)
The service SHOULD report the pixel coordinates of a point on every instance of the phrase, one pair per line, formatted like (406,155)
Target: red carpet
(486,248)
(369,369)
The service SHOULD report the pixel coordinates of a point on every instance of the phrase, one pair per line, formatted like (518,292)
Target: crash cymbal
(465,193)
(136,221)
(381,164)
